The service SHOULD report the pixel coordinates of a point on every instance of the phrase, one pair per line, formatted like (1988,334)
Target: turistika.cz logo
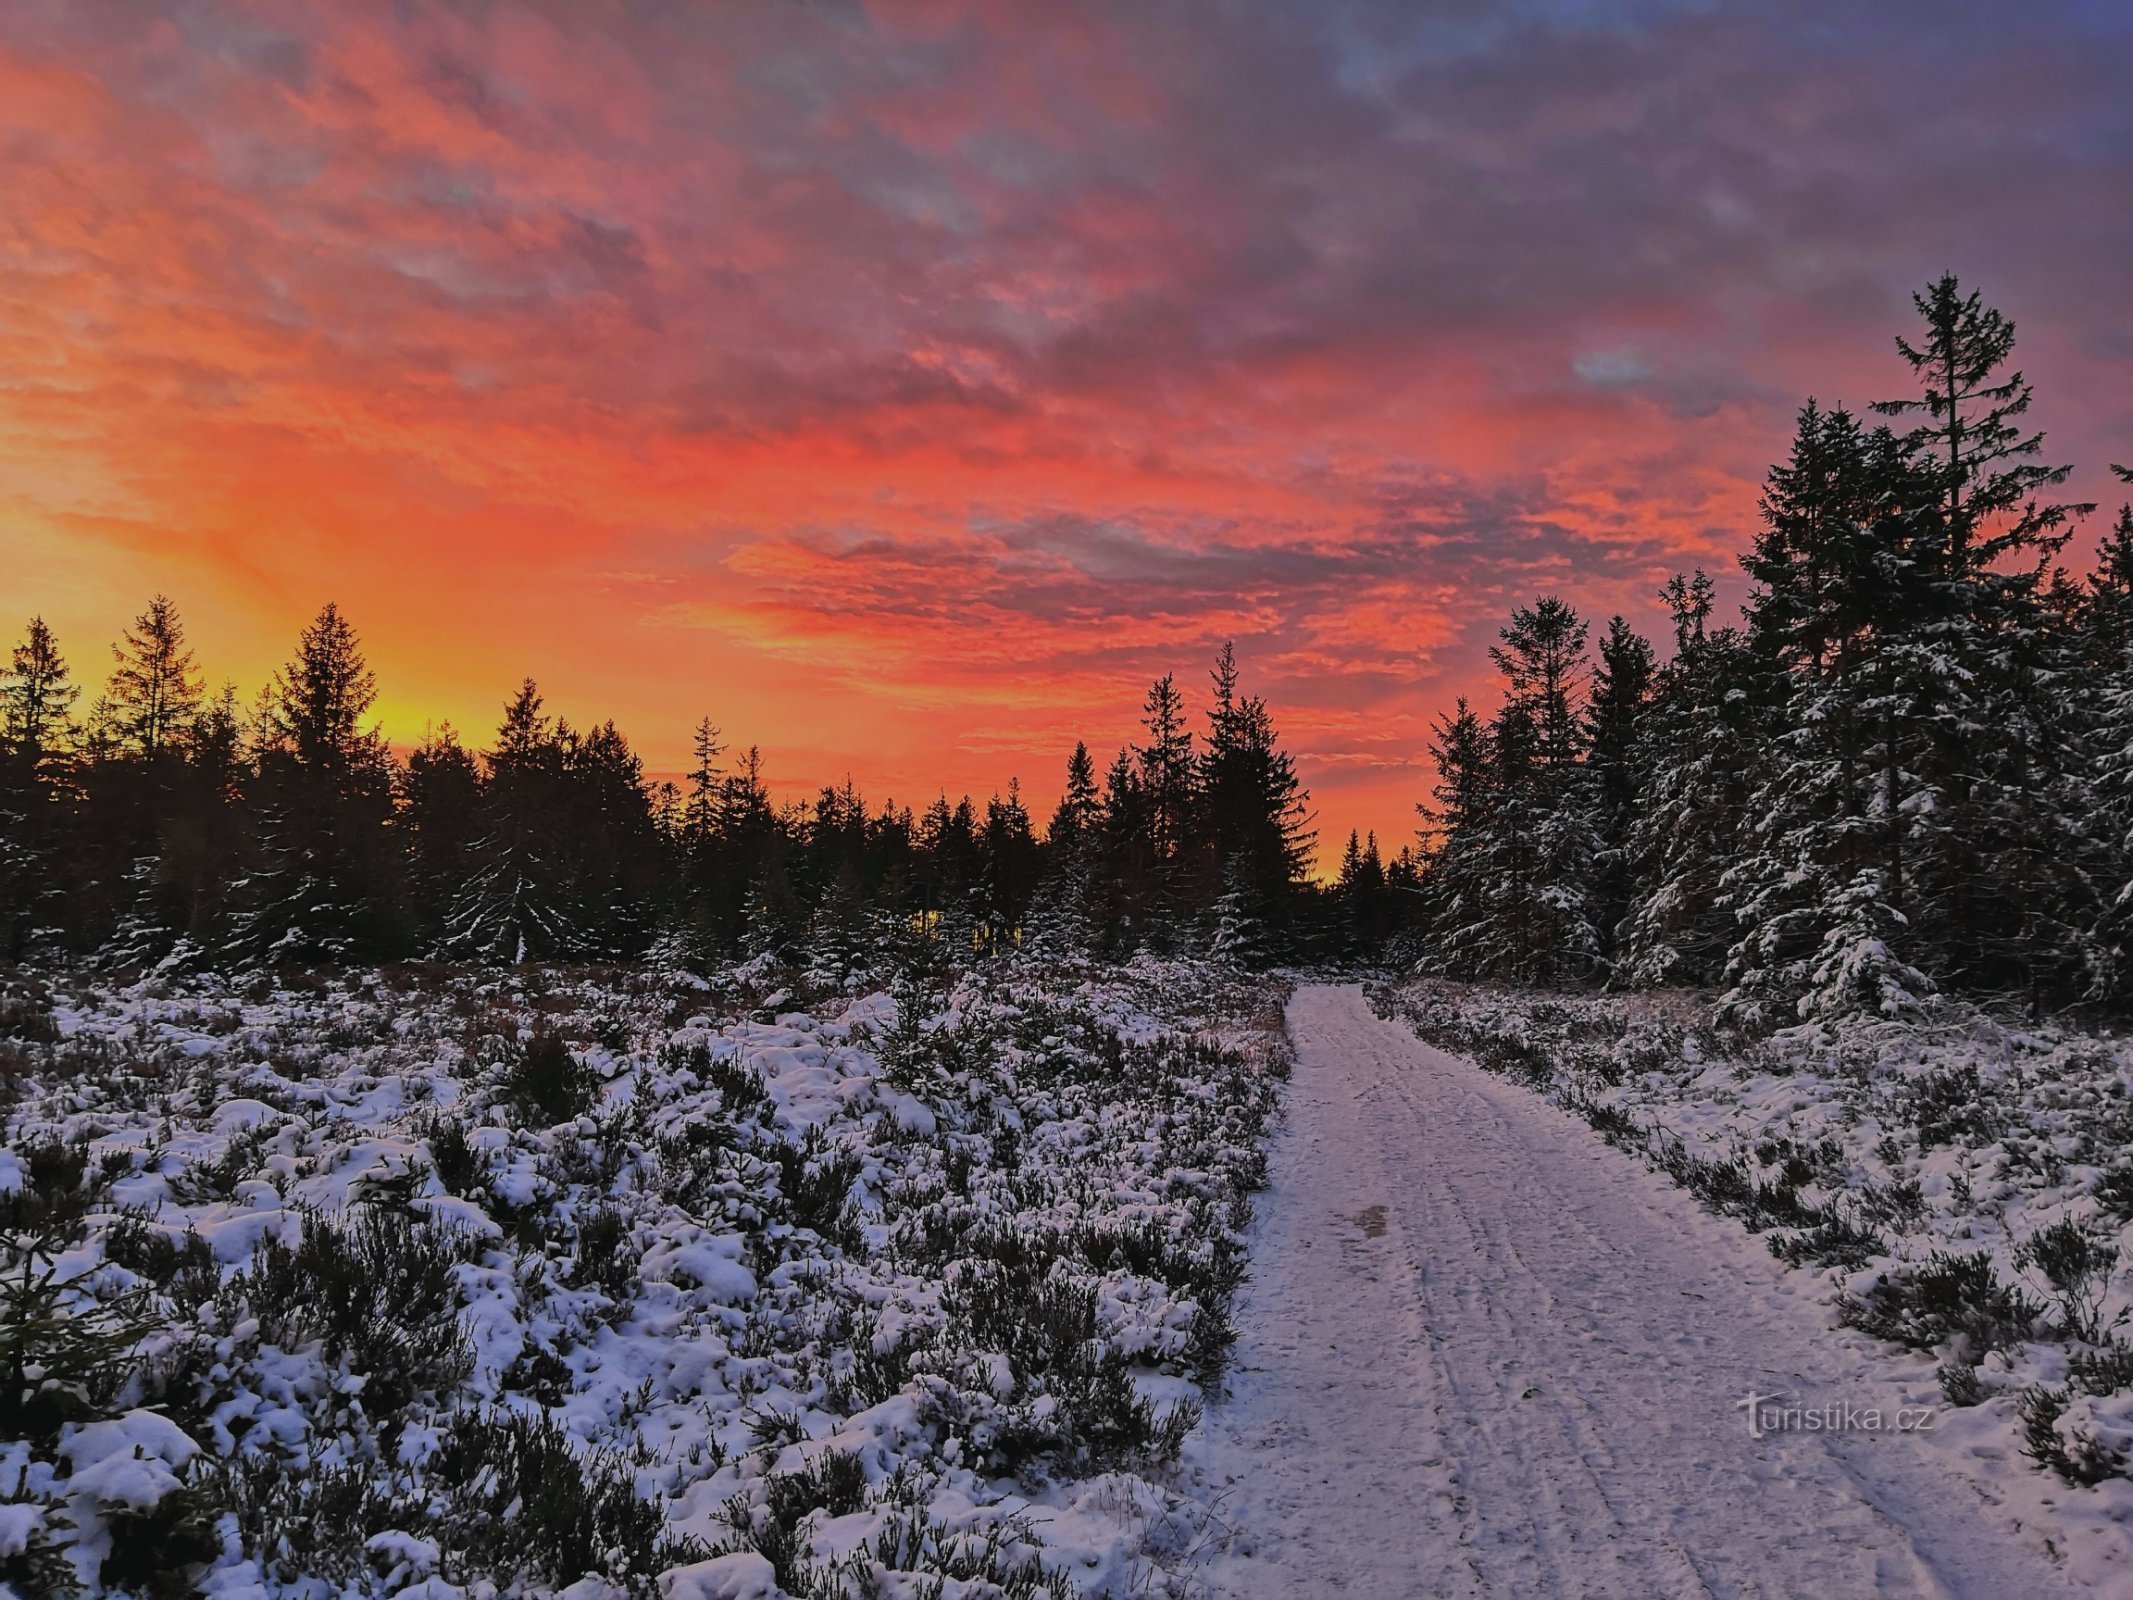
(1769,1413)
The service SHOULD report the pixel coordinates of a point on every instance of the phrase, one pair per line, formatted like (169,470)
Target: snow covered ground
(456,1283)
(1483,1353)
(1871,1160)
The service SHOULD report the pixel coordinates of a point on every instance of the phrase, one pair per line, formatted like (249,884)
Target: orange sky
(904,387)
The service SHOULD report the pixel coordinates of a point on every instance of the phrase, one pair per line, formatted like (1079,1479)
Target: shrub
(377,1292)
(816,1186)
(2077,1263)
(1947,1298)
(2073,1452)
(183,1267)
(458,1165)
(546,1079)
(504,1496)
(158,1551)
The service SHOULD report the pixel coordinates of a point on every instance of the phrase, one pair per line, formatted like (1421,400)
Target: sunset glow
(902,387)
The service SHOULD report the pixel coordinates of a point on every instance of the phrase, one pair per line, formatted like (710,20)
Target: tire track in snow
(1484,1354)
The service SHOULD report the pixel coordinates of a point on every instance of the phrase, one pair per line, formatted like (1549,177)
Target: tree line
(163,825)
(1906,767)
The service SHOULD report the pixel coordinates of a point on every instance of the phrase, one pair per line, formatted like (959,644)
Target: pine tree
(37,794)
(1126,884)
(131,779)
(1450,880)
(518,902)
(329,885)
(1166,770)
(699,846)
(155,686)
(1007,849)
(1847,570)
(2106,627)
(1995,884)
(610,844)
(440,795)
(1061,913)
(1361,888)
(774,913)
(1510,875)
(37,698)
(1617,758)
(1251,810)
(1968,432)
(1542,840)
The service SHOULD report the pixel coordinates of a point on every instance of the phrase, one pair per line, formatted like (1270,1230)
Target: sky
(903,387)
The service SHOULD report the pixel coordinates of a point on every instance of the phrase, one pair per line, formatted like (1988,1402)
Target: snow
(1484,1353)
(708,1352)
(1481,1350)
(744,1576)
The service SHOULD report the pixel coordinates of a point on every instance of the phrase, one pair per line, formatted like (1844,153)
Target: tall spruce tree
(1252,817)
(329,885)
(37,794)
(2107,661)
(2001,884)
(1690,813)
(155,686)
(1169,798)
(1847,593)
(136,901)
(1062,914)
(1452,884)
(518,902)
(1617,756)
(1512,872)
(440,807)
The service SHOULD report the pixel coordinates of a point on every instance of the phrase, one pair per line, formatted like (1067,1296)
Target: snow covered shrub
(548,1081)
(373,1297)
(1950,1107)
(505,1495)
(2077,1262)
(517,1279)
(1947,1299)
(2059,1431)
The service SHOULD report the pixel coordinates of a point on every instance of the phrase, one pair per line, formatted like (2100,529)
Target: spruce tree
(155,686)
(1995,884)
(328,887)
(37,794)
(1127,868)
(1251,809)
(1167,773)
(2106,627)
(1691,810)
(1542,839)
(37,697)
(1007,850)
(1454,820)
(136,903)
(1617,756)
(440,801)
(518,901)
(1061,913)
(1847,570)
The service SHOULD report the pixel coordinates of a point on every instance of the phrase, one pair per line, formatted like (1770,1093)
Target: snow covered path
(1485,1354)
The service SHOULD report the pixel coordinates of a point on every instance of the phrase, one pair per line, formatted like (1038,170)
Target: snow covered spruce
(496,1283)
(1966,1183)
